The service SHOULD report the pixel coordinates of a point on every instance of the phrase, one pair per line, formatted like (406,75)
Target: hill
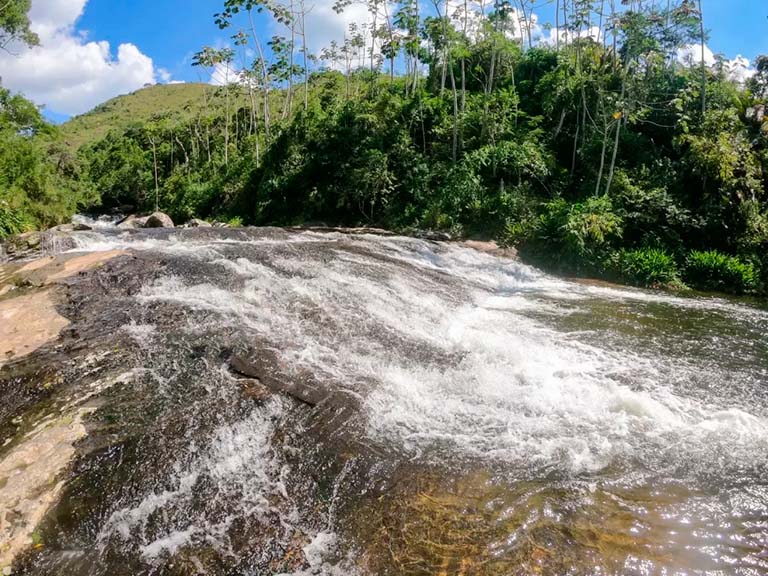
(137,107)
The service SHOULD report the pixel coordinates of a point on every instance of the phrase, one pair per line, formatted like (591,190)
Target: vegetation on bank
(595,155)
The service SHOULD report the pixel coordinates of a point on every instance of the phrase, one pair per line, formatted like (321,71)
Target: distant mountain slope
(137,107)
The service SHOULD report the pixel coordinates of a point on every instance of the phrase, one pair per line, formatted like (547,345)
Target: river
(268,401)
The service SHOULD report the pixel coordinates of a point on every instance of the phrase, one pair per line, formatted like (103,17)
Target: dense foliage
(712,270)
(40,180)
(598,155)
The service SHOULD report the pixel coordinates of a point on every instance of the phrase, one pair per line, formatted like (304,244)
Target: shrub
(645,267)
(592,225)
(575,237)
(11,221)
(713,270)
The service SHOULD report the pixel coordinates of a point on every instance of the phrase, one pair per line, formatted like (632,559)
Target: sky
(93,50)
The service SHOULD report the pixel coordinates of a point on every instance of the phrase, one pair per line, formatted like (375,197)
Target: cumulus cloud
(738,69)
(68,73)
(565,36)
(691,54)
(324,25)
(223,74)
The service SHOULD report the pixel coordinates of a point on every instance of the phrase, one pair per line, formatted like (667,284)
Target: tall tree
(14,23)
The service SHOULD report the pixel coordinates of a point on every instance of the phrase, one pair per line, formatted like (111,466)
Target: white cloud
(67,73)
(223,74)
(550,37)
(324,25)
(691,54)
(738,69)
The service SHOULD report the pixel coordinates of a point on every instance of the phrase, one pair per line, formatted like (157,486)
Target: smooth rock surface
(159,220)
(198,223)
(132,221)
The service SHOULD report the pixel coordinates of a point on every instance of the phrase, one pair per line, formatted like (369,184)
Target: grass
(120,112)
(182,101)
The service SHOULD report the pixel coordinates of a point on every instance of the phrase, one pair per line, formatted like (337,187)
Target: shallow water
(480,417)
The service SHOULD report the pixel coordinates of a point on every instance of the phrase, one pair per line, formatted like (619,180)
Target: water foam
(487,379)
(237,464)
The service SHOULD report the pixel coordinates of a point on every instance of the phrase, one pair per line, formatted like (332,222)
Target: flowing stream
(434,410)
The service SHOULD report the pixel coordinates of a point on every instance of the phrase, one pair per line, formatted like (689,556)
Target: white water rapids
(456,360)
(493,375)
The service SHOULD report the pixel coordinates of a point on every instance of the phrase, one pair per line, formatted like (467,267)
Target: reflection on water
(478,525)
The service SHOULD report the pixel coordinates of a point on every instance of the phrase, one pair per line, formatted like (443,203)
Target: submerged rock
(159,220)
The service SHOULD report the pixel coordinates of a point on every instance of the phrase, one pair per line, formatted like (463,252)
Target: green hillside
(179,100)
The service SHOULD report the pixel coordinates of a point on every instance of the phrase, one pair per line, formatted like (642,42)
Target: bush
(713,270)
(575,237)
(645,267)
(11,221)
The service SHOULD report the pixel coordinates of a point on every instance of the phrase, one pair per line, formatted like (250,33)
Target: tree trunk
(157,181)
(304,51)
(703,63)
(455,144)
(618,133)
(227,121)
(264,75)
(288,104)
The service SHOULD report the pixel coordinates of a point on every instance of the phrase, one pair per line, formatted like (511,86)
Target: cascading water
(476,416)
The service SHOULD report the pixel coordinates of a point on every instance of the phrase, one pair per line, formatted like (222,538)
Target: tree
(758,84)
(14,23)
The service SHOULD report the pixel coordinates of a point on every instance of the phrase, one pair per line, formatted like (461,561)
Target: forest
(595,149)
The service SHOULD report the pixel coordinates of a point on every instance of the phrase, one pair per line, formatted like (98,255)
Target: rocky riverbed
(268,401)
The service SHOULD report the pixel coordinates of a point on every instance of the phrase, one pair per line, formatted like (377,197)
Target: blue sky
(96,49)
(735,26)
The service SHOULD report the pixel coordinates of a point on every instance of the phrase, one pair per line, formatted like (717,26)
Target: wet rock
(29,481)
(132,221)
(320,227)
(492,247)
(303,393)
(197,223)
(62,228)
(26,323)
(253,389)
(159,220)
(80,227)
(433,235)
(24,245)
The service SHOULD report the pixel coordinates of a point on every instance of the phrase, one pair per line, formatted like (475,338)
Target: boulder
(159,220)
(132,221)
(26,245)
(80,227)
(63,228)
(197,223)
(433,235)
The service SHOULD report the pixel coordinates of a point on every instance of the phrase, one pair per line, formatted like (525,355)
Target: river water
(445,411)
